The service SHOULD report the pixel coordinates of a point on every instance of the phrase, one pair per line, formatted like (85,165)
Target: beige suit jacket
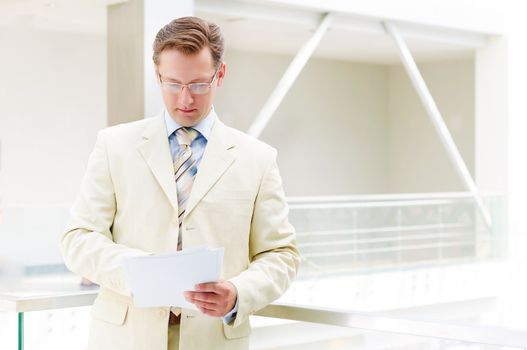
(127,206)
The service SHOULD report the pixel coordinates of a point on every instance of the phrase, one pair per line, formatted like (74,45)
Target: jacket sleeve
(87,244)
(274,258)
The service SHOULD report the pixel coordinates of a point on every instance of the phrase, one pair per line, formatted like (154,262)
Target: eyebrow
(198,80)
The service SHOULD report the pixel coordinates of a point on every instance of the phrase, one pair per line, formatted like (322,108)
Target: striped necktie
(185,170)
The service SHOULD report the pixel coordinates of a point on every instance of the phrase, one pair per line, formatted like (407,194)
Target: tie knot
(185,136)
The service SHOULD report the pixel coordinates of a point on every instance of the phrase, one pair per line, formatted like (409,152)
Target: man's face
(185,108)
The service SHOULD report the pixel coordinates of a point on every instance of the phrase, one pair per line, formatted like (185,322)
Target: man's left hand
(214,298)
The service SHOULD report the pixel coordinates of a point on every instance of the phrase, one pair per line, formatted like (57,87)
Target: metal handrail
(374,204)
(387,197)
(387,250)
(385,230)
(382,240)
(378,322)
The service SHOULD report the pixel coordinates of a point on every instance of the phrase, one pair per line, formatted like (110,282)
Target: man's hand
(213,299)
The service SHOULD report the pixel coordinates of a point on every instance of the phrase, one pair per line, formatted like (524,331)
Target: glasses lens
(198,88)
(172,87)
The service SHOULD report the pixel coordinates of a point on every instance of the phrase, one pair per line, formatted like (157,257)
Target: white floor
(459,293)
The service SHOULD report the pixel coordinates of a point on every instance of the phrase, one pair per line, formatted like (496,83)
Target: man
(177,181)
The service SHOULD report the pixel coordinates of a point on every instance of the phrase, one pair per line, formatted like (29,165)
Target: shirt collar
(204,126)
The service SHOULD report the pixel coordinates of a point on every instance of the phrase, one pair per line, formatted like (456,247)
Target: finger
(208,312)
(208,287)
(204,297)
(208,306)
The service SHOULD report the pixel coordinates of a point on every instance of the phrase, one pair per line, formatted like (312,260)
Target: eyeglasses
(193,88)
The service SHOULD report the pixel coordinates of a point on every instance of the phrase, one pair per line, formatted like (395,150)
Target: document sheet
(160,280)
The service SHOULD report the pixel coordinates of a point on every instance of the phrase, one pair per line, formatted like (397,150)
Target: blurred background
(385,222)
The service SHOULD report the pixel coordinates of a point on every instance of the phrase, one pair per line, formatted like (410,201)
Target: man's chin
(187,119)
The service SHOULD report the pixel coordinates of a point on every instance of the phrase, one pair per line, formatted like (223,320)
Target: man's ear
(221,73)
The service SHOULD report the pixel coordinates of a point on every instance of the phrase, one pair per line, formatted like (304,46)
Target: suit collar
(218,157)
(155,150)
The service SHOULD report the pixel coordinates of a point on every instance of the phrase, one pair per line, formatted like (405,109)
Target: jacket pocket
(243,330)
(110,311)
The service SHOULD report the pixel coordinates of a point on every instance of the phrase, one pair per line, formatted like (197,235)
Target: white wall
(418,161)
(331,129)
(355,128)
(52,102)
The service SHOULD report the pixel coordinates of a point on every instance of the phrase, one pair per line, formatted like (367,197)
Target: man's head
(189,51)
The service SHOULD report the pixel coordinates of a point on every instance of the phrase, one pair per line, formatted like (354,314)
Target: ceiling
(254,27)
(84,16)
(257,26)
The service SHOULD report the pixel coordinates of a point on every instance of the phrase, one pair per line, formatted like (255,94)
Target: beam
(437,120)
(289,77)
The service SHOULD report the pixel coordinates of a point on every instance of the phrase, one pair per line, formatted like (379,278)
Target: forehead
(172,61)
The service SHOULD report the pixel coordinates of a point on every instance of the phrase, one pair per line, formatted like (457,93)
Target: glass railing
(424,261)
(351,234)
(338,234)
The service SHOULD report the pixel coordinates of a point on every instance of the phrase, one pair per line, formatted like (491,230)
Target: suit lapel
(156,152)
(217,158)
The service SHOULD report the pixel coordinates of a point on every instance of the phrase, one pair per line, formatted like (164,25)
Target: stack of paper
(160,280)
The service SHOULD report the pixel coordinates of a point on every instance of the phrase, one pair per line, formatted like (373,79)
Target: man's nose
(186,96)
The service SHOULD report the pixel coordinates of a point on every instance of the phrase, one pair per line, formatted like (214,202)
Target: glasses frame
(178,88)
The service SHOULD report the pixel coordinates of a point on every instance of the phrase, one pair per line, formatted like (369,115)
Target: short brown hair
(189,35)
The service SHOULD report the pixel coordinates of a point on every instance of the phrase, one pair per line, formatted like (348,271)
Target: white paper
(160,280)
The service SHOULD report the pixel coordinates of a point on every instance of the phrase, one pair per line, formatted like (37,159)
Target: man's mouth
(186,110)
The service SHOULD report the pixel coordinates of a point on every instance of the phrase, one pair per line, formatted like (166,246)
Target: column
(133,92)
